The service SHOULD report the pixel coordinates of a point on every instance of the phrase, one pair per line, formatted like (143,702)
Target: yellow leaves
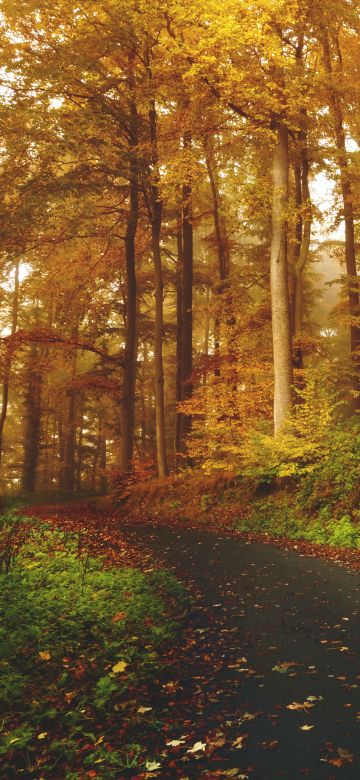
(120,667)
(284,666)
(238,743)
(45,655)
(305,705)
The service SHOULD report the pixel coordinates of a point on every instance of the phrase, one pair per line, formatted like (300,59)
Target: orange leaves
(225,408)
(119,616)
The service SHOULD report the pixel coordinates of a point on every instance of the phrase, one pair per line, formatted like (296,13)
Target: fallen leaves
(343,757)
(199,746)
(152,766)
(175,742)
(284,666)
(45,655)
(119,616)
(309,702)
(270,744)
(238,743)
(305,705)
(120,667)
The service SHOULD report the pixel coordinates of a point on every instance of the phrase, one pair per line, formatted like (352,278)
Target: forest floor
(266,683)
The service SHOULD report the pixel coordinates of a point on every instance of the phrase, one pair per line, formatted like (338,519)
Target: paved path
(273,681)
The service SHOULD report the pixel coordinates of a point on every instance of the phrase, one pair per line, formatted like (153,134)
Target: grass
(79,644)
(281,516)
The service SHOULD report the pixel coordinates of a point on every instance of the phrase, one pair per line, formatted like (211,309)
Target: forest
(179,220)
(179,351)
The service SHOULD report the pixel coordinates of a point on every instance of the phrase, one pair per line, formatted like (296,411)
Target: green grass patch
(77,643)
(281,516)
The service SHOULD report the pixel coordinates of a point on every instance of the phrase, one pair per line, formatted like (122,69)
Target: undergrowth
(77,642)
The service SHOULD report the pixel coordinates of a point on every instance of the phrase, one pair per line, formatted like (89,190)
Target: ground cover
(82,642)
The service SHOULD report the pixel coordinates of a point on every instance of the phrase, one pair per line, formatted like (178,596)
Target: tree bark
(301,250)
(223,252)
(102,459)
(129,365)
(187,314)
(32,421)
(178,333)
(68,479)
(348,208)
(155,213)
(158,358)
(222,241)
(79,445)
(8,359)
(281,329)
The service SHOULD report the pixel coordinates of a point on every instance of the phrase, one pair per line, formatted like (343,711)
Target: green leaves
(62,647)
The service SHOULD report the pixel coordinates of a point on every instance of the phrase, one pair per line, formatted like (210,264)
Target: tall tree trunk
(143,400)
(222,245)
(102,458)
(159,369)
(207,324)
(281,330)
(187,314)
(301,244)
(8,358)
(155,208)
(68,479)
(61,443)
(178,333)
(301,249)
(348,208)
(32,421)
(222,241)
(129,365)
(79,445)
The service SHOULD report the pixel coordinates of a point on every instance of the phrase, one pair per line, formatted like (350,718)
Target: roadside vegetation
(302,485)
(81,647)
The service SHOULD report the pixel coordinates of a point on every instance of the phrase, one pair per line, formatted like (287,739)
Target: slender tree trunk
(294,250)
(281,330)
(156,208)
(70,437)
(143,401)
(348,208)
(102,458)
(222,241)
(129,365)
(222,245)
(159,369)
(61,441)
(178,334)
(8,358)
(95,465)
(79,446)
(187,314)
(207,324)
(32,421)
(301,248)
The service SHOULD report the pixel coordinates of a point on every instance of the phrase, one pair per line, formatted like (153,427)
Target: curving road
(272,684)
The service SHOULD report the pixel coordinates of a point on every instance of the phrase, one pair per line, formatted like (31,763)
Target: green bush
(277,518)
(335,480)
(74,639)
